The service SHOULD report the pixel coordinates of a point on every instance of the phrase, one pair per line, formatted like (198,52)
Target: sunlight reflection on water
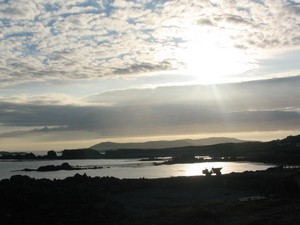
(227,167)
(124,168)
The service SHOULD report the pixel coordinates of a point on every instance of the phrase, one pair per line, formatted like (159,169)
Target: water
(123,168)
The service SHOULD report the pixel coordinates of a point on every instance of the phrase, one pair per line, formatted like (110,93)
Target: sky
(78,72)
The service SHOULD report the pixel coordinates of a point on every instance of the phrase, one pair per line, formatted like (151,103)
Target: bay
(122,168)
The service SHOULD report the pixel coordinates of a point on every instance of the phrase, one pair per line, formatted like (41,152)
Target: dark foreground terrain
(260,198)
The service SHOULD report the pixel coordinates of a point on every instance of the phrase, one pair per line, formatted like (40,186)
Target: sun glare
(210,57)
(196,169)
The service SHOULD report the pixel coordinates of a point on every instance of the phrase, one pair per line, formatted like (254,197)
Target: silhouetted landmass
(105,146)
(17,155)
(66,154)
(286,151)
(10,153)
(51,154)
(262,197)
(81,154)
(64,166)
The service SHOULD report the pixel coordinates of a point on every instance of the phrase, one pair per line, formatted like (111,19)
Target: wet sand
(262,197)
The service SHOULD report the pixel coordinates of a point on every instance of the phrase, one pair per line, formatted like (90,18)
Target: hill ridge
(108,145)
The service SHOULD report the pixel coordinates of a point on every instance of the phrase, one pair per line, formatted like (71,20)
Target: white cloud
(18,10)
(46,99)
(91,39)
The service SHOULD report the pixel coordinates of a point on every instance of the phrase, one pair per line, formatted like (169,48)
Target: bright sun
(210,57)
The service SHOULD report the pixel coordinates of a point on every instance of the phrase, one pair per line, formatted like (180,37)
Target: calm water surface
(123,168)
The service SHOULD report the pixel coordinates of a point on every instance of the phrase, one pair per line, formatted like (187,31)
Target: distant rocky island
(63,166)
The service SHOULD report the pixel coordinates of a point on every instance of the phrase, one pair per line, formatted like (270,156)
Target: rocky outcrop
(81,154)
(64,166)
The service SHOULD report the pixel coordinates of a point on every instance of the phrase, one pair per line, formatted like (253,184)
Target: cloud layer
(252,106)
(85,39)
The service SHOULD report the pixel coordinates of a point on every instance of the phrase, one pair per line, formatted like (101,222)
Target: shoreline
(134,169)
(236,198)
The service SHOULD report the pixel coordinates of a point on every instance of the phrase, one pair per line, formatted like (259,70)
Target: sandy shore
(262,197)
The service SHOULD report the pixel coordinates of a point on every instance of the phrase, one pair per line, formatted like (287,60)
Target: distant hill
(104,146)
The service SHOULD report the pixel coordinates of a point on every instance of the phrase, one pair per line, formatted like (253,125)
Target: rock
(64,166)
(51,154)
(20,180)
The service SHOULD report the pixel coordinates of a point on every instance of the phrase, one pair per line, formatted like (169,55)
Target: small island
(64,166)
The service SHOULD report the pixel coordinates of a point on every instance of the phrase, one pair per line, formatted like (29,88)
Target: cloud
(238,21)
(47,99)
(294,9)
(205,22)
(250,106)
(144,68)
(268,94)
(80,39)
(18,10)
(145,120)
